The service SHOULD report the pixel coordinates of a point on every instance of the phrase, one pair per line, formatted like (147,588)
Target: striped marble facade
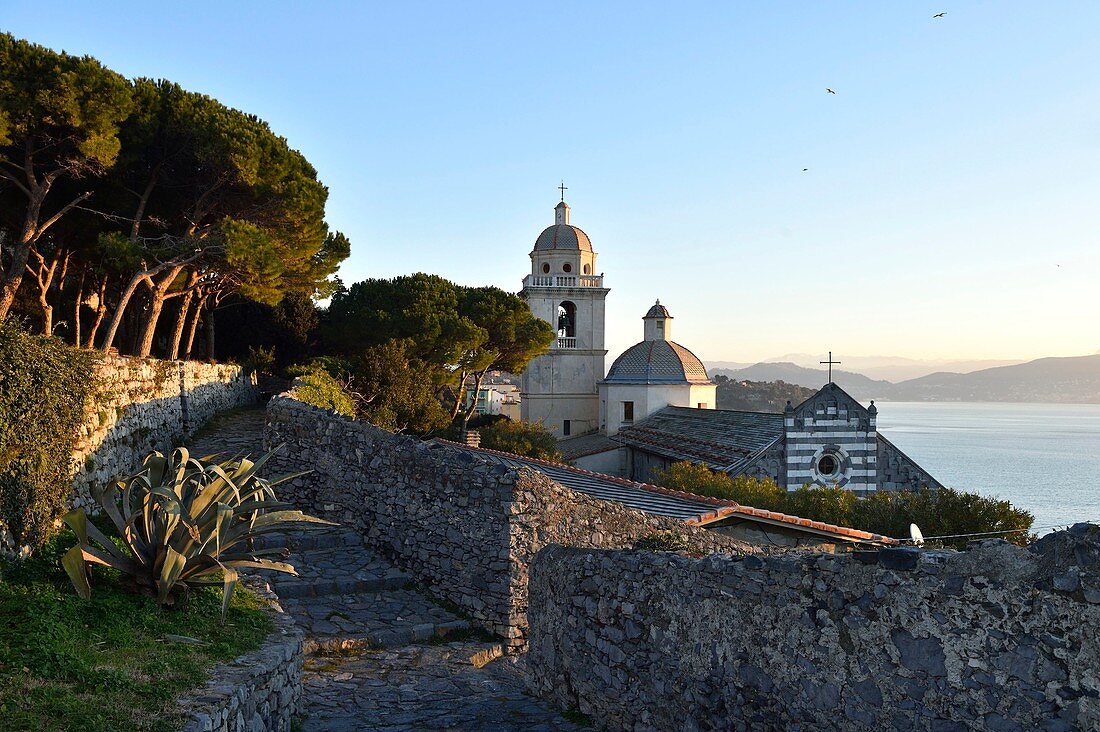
(833,425)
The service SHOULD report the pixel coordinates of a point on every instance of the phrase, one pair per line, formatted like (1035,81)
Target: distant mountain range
(889,368)
(1072,380)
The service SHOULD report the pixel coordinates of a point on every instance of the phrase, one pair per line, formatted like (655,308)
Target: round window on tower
(546,268)
(567,267)
(588,269)
(827,466)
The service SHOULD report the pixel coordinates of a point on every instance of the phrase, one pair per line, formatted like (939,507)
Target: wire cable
(999,533)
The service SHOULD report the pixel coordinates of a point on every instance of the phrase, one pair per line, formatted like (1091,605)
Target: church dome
(563,236)
(657,362)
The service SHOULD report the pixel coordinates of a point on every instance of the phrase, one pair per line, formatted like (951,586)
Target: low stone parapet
(465,527)
(259,692)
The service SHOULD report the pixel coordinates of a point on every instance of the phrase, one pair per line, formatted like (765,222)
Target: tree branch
(53,219)
(16,181)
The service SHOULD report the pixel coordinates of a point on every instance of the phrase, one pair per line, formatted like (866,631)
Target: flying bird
(939,15)
(830,91)
(805,169)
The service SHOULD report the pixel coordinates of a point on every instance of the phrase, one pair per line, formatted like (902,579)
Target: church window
(567,320)
(565,428)
(567,267)
(827,465)
(546,268)
(628,412)
(588,269)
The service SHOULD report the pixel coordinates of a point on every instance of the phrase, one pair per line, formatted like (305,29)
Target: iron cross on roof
(830,362)
(563,188)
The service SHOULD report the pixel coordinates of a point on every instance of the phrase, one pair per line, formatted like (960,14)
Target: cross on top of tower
(563,188)
(830,362)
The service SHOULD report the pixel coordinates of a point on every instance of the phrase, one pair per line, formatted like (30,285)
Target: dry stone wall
(141,405)
(259,692)
(465,527)
(994,638)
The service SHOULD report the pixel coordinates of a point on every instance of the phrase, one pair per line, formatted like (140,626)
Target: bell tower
(559,388)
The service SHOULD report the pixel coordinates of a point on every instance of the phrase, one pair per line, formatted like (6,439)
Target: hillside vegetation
(758,396)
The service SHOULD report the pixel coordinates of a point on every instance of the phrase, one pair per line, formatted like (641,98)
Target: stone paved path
(383,655)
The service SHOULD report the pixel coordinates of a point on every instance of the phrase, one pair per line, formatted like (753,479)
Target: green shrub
(942,512)
(663,541)
(44,386)
(830,504)
(182,523)
(529,439)
(699,479)
(318,387)
(398,390)
(259,360)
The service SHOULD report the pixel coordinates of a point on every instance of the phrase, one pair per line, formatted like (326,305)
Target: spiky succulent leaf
(73,562)
(183,521)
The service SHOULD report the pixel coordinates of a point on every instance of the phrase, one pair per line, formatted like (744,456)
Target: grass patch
(103,664)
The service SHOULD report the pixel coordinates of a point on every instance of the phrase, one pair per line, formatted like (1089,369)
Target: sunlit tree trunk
(181,317)
(194,325)
(76,308)
(157,295)
(100,312)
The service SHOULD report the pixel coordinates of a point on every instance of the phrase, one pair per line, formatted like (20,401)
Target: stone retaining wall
(997,637)
(259,692)
(463,526)
(141,405)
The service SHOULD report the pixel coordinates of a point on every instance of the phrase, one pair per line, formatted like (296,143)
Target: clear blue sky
(955,169)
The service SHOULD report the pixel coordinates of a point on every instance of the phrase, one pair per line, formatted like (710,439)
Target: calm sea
(1041,457)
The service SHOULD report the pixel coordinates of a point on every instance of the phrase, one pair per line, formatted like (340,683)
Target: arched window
(588,269)
(567,320)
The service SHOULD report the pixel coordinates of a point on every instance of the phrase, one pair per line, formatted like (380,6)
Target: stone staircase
(346,597)
(383,655)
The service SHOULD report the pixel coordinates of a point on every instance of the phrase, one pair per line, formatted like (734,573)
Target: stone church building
(656,404)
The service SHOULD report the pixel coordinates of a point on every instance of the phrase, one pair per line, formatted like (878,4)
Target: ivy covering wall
(43,388)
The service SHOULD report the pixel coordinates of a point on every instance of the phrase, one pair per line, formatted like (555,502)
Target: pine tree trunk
(156,306)
(177,331)
(193,327)
(21,251)
(120,311)
(100,313)
(210,330)
(76,310)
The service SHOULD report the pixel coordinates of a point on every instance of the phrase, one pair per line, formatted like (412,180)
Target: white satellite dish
(918,537)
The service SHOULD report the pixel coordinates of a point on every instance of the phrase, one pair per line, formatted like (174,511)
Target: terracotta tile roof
(693,509)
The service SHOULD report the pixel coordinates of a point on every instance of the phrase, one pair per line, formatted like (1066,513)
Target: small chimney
(471,438)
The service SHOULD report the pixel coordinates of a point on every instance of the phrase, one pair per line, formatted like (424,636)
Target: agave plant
(183,523)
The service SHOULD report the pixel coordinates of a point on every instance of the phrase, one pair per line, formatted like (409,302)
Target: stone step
(338,571)
(328,537)
(296,587)
(363,620)
(386,638)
